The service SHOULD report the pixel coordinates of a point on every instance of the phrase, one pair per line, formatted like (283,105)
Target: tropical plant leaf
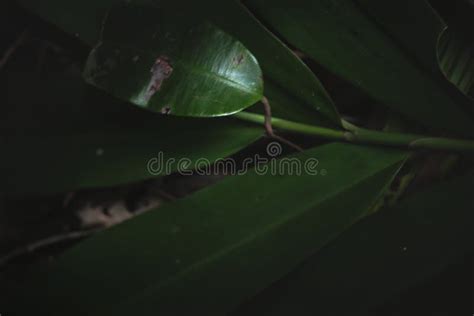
(57,138)
(163,60)
(296,98)
(301,98)
(208,252)
(383,254)
(456,58)
(423,39)
(376,46)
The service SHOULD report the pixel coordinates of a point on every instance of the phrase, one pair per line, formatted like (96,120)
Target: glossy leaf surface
(301,98)
(163,60)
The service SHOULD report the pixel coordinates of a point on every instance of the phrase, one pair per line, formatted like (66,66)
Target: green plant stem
(357,135)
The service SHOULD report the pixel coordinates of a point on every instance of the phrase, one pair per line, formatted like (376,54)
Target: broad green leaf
(166,61)
(208,252)
(64,135)
(388,49)
(301,98)
(378,257)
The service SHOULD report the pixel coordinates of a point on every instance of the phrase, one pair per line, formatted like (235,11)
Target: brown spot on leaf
(161,70)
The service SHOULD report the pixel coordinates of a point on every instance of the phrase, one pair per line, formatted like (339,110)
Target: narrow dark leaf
(207,253)
(64,135)
(388,49)
(383,254)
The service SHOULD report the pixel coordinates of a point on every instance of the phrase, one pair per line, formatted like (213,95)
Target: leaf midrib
(197,70)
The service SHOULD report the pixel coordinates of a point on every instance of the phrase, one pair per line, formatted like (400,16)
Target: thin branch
(357,135)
